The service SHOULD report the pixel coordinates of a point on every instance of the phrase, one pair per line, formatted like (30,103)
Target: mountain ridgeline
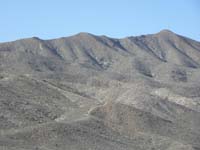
(95,92)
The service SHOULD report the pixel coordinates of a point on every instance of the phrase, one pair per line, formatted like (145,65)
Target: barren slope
(95,92)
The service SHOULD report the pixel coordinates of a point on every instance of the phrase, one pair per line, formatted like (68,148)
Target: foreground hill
(95,92)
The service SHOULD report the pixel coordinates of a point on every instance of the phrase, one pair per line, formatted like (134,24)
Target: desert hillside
(88,92)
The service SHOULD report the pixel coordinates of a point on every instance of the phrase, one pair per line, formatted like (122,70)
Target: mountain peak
(83,34)
(32,39)
(165,32)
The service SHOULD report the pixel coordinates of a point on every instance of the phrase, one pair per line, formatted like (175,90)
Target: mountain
(95,92)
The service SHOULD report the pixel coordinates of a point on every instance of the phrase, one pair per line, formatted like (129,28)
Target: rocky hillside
(100,93)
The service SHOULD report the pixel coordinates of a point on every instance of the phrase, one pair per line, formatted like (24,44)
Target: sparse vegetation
(99,93)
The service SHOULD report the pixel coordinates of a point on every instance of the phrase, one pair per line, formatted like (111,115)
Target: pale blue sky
(115,18)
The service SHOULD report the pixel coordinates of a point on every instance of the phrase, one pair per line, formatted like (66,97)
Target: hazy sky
(116,18)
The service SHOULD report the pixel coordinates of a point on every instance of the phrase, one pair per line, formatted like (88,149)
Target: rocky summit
(88,92)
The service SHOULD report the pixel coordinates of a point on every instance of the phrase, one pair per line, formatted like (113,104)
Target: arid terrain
(88,92)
